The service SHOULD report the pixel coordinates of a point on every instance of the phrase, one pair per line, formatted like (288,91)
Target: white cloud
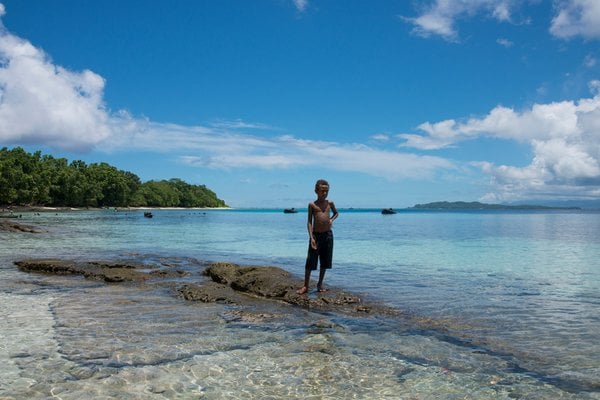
(440,17)
(239,124)
(564,138)
(572,18)
(504,42)
(576,18)
(223,147)
(46,104)
(501,10)
(226,150)
(381,137)
(590,61)
(301,5)
(542,121)
(361,158)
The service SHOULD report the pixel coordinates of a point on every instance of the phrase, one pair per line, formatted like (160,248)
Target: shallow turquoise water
(513,297)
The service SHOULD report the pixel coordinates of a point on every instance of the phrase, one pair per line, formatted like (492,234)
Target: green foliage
(36,179)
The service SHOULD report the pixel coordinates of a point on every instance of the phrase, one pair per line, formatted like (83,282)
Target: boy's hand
(313,243)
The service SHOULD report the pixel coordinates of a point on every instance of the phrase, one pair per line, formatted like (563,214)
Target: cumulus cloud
(46,104)
(576,18)
(541,121)
(564,138)
(440,17)
(572,17)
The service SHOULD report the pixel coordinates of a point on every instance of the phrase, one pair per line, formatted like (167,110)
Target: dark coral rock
(101,270)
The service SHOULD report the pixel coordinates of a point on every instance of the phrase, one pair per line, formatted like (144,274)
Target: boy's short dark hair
(321,182)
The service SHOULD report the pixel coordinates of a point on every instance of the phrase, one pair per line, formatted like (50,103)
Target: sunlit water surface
(511,300)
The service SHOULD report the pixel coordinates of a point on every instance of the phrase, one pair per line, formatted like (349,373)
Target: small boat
(290,210)
(148,214)
(388,211)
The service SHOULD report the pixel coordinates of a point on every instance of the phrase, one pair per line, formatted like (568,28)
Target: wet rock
(12,226)
(210,292)
(276,284)
(229,283)
(100,270)
(262,281)
(224,273)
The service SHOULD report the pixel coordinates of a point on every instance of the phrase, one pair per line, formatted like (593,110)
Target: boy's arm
(309,226)
(334,210)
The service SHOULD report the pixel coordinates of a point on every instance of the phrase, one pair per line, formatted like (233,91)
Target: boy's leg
(312,258)
(304,288)
(320,287)
(326,258)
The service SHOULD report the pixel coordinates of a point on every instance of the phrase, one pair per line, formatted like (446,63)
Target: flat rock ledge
(12,226)
(100,270)
(230,283)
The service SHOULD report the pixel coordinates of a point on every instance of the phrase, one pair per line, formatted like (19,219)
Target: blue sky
(394,102)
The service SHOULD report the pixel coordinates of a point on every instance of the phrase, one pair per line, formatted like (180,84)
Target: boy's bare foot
(302,290)
(321,289)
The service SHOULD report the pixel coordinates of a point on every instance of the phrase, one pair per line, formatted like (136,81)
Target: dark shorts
(323,253)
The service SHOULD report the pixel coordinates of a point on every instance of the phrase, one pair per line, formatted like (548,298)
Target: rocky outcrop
(12,226)
(229,283)
(210,292)
(272,283)
(262,281)
(101,270)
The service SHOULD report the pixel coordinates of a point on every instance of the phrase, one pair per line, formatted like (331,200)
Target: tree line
(34,179)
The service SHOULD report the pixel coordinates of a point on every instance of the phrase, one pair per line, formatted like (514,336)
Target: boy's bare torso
(321,212)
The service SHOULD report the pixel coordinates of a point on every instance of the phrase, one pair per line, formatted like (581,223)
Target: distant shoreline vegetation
(42,180)
(475,205)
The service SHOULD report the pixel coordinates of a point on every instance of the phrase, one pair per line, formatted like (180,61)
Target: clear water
(499,305)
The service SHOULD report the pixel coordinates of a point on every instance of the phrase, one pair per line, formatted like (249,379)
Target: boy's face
(322,191)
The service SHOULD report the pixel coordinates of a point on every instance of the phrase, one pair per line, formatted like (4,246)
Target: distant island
(475,205)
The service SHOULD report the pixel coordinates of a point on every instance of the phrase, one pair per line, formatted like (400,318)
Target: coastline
(16,209)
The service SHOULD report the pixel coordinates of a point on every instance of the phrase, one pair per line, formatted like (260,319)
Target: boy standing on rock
(321,214)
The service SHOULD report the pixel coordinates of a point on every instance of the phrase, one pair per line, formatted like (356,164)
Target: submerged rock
(210,292)
(101,270)
(229,283)
(12,226)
